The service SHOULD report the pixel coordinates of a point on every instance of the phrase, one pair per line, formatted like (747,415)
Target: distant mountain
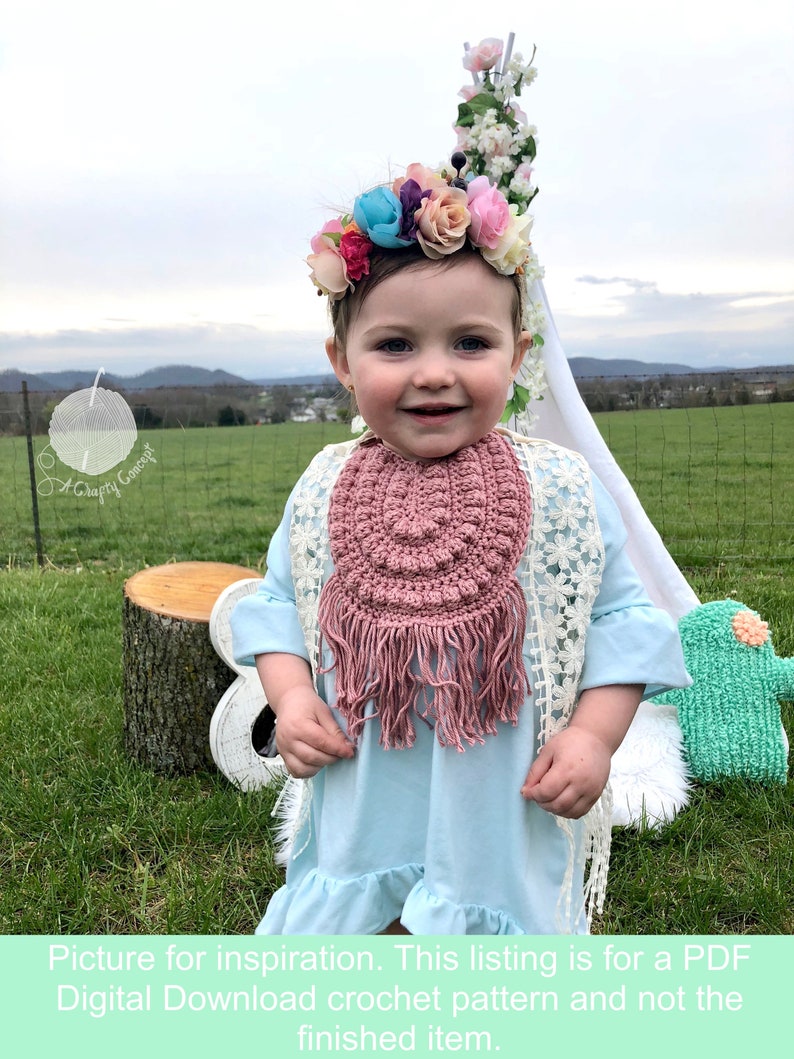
(11,381)
(182,375)
(171,375)
(595,367)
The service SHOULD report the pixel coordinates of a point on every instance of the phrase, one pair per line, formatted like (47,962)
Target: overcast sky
(164,165)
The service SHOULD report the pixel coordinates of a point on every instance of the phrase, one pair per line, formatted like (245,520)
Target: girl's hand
(307,735)
(571,770)
(569,774)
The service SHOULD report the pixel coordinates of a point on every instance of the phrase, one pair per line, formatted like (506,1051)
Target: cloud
(643,304)
(695,349)
(636,284)
(635,319)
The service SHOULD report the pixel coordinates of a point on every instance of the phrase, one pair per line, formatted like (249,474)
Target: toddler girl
(449,632)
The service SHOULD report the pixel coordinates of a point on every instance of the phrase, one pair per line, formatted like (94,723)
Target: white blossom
(521,186)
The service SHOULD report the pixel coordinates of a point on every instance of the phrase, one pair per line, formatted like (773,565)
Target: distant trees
(146,416)
(231,417)
(704,390)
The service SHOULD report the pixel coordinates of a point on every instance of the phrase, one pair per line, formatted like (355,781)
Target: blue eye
(470,344)
(394,345)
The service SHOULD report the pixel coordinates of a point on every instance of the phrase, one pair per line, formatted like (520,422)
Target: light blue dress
(441,839)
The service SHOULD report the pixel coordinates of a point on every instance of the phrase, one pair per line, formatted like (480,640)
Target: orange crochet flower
(748,628)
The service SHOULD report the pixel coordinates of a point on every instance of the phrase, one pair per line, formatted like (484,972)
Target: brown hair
(384,263)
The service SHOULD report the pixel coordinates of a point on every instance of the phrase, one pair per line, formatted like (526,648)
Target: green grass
(716,482)
(91,843)
(211,494)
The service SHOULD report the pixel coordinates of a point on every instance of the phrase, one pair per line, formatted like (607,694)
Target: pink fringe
(474,668)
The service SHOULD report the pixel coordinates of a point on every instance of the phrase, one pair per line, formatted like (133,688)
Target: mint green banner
(207,996)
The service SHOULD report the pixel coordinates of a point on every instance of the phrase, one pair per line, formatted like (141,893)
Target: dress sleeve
(630,641)
(267,621)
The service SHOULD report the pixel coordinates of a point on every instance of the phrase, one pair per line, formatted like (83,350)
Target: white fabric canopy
(563,418)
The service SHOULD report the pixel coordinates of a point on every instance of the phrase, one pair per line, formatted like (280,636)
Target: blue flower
(379,213)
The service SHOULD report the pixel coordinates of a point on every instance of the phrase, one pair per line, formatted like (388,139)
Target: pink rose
(329,271)
(484,55)
(512,250)
(442,221)
(470,91)
(490,212)
(323,240)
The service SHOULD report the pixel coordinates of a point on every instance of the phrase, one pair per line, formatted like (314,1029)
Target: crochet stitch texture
(730,716)
(424,614)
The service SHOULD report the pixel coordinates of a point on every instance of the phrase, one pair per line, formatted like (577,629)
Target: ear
(523,343)
(338,361)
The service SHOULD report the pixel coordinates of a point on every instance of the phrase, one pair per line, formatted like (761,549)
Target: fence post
(32,470)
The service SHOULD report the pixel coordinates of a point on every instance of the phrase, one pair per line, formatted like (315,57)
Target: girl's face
(431,355)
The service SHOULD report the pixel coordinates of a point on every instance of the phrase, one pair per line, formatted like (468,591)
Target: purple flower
(411,196)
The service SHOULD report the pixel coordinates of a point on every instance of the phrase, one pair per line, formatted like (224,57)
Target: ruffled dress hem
(369,903)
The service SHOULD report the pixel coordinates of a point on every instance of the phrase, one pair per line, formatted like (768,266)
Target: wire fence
(204,474)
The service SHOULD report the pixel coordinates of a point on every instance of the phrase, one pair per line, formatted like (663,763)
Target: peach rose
(442,222)
(329,272)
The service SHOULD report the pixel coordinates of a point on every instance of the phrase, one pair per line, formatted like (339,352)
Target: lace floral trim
(309,549)
(560,572)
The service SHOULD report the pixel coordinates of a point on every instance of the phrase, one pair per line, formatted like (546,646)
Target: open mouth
(434,412)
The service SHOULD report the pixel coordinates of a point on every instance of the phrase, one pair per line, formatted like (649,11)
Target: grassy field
(207,494)
(91,843)
(716,482)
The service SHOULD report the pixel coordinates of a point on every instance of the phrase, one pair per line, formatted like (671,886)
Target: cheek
(493,388)
(373,396)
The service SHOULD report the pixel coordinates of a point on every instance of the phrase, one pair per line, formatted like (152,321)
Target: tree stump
(173,677)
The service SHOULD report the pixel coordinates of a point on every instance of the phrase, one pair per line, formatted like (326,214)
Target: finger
(570,803)
(310,742)
(337,742)
(304,763)
(549,798)
(333,744)
(305,754)
(539,768)
(559,803)
(546,781)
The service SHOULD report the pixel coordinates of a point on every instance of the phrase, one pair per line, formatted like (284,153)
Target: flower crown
(481,198)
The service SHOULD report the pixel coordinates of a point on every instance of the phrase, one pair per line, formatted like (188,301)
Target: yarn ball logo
(93,430)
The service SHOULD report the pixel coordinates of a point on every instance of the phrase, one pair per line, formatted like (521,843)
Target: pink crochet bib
(424,614)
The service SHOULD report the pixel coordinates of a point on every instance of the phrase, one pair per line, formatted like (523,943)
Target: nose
(433,370)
